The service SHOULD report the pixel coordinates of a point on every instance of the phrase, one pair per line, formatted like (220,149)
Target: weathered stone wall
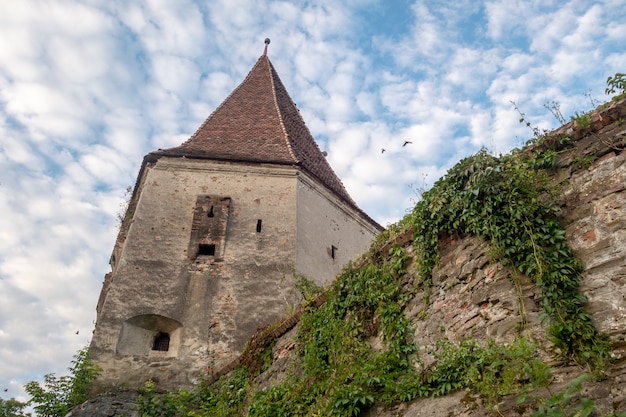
(208,296)
(207,255)
(596,226)
(475,297)
(330,232)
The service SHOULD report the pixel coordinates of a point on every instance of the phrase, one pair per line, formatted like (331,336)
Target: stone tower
(215,234)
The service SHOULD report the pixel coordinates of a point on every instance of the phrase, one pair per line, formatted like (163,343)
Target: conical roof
(258,122)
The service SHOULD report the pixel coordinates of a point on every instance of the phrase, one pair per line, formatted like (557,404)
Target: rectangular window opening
(206,249)
(258,226)
(161,342)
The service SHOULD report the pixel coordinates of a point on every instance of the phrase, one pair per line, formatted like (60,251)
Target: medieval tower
(216,232)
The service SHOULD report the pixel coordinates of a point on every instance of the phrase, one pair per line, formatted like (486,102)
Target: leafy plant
(490,370)
(307,288)
(122,212)
(154,404)
(555,109)
(616,84)
(223,398)
(12,408)
(58,395)
(567,402)
(537,133)
(503,200)
(584,161)
(583,120)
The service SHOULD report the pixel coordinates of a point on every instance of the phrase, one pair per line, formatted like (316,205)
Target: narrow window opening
(161,342)
(206,249)
(211,214)
(333,251)
(258,225)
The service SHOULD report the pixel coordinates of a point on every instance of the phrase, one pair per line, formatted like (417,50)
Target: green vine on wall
(508,202)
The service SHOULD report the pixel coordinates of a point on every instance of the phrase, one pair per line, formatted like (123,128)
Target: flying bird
(406,142)
(382,150)
(77,331)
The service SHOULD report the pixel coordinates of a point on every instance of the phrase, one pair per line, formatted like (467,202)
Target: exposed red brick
(589,236)
(471,322)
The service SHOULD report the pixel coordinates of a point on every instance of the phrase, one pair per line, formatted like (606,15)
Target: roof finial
(267,42)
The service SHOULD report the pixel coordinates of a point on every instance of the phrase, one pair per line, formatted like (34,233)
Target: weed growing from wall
(583,120)
(306,287)
(565,403)
(223,398)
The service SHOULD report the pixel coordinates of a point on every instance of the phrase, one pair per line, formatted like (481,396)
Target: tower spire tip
(267,42)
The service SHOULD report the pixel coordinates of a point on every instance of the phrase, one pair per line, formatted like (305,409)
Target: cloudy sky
(89,87)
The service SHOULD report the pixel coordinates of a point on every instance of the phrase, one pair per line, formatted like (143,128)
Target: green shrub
(583,120)
(12,408)
(616,84)
(224,398)
(58,395)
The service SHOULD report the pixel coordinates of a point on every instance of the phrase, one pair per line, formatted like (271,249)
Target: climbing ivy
(508,202)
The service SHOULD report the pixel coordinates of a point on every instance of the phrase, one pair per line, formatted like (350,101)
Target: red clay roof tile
(258,122)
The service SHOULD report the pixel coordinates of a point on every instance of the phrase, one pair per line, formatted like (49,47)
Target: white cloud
(15,149)
(165,27)
(506,18)
(175,74)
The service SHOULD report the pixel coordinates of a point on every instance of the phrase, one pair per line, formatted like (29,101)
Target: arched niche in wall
(150,335)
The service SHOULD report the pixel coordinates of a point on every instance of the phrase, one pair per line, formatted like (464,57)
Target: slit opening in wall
(161,342)
(211,214)
(258,225)
(206,249)
(333,251)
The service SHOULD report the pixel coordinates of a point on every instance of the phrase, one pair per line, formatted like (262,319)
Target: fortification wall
(474,297)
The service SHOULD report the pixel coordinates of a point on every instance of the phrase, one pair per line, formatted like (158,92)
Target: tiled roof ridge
(277,107)
(311,160)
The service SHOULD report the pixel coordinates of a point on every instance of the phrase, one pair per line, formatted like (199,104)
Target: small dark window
(161,342)
(204,249)
(333,251)
(258,225)
(211,214)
